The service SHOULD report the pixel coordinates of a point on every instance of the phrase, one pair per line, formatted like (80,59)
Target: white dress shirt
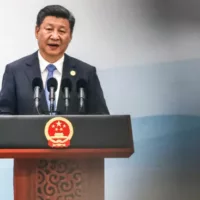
(57,74)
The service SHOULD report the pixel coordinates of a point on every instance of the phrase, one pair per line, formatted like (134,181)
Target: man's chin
(53,53)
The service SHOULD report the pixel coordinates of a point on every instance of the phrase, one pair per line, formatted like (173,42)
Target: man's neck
(50,59)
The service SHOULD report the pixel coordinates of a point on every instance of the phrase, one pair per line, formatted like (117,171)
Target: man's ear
(37,28)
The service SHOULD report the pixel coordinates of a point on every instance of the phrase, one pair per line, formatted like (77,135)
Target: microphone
(81,87)
(66,87)
(52,85)
(37,87)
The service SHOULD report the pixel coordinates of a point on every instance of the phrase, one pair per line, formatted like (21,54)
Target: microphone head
(37,82)
(52,82)
(81,83)
(66,82)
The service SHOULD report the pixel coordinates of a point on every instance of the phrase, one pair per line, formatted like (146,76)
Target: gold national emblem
(58,132)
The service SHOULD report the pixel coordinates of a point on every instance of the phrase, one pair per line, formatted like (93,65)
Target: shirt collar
(43,63)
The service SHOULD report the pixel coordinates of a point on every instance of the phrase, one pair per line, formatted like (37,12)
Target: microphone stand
(52,100)
(37,98)
(66,98)
(82,100)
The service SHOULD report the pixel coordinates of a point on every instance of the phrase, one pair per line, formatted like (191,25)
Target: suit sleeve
(8,98)
(96,100)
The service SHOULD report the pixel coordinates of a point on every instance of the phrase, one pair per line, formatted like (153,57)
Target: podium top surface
(106,135)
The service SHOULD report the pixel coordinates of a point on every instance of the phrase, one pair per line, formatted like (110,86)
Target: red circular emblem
(59,132)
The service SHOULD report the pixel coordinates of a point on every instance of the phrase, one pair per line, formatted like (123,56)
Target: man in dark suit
(53,31)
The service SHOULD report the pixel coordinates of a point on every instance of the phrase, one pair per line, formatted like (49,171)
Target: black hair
(56,11)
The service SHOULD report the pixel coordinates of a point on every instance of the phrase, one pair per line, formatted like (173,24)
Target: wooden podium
(72,173)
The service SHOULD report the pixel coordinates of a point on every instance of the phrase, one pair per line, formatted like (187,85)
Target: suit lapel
(68,66)
(33,70)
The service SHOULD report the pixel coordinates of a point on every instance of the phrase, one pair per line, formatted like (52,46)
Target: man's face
(53,37)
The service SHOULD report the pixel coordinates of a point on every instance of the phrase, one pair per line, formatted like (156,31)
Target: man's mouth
(53,45)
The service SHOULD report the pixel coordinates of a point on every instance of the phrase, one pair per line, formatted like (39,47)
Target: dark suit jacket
(16,96)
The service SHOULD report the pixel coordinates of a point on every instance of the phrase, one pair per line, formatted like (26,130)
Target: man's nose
(55,35)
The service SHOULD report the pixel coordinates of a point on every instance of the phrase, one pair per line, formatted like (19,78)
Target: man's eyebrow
(61,26)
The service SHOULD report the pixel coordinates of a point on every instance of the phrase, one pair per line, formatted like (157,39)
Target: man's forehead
(59,21)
